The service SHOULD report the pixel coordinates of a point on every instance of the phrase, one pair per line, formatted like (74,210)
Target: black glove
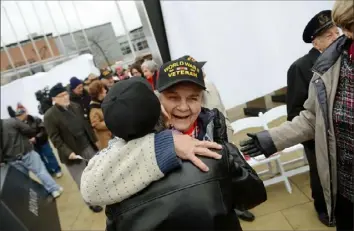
(251,146)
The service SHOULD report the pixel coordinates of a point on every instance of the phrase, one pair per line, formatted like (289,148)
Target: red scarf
(151,81)
(193,130)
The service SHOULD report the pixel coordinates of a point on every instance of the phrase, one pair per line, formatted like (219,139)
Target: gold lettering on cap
(182,68)
(172,74)
(169,67)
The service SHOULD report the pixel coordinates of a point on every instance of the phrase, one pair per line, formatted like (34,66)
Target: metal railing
(64,53)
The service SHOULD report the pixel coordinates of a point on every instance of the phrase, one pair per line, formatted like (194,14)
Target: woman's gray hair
(150,65)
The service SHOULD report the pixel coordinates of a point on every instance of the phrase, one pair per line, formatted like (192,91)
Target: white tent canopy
(249,45)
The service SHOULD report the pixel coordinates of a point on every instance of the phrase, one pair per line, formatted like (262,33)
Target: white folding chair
(254,122)
(272,115)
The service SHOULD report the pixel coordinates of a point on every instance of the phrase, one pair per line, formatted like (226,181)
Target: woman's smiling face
(183,104)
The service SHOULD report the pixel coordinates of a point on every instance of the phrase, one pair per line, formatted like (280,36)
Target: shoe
(323,217)
(57,193)
(245,215)
(96,209)
(58,174)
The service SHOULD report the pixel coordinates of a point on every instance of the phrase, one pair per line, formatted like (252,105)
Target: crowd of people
(153,144)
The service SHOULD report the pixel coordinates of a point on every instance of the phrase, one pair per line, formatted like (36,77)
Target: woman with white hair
(150,71)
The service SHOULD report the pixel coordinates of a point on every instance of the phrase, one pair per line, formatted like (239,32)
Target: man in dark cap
(79,95)
(321,32)
(70,133)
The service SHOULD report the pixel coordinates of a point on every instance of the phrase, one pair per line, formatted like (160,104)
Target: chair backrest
(245,123)
(272,115)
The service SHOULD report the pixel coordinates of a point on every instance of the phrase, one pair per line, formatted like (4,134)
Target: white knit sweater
(119,171)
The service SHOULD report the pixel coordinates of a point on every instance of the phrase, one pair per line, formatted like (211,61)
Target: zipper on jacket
(331,216)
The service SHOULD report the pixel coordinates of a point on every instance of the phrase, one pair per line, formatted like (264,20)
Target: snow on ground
(22,90)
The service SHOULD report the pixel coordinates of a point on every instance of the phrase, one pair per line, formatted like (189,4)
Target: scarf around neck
(95,104)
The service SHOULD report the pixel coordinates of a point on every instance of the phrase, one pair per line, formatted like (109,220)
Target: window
(123,43)
(142,45)
(126,50)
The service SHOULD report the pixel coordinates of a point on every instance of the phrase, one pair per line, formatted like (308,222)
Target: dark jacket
(15,136)
(60,133)
(41,134)
(83,100)
(299,77)
(188,199)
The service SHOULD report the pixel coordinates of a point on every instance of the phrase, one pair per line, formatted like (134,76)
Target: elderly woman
(150,71)
(329,119)
(163,205)
(97,92)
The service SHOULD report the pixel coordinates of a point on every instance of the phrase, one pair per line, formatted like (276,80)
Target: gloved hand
(251,146)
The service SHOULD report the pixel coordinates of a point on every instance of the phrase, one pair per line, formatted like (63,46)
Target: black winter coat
(83,101)
(188,199)
(61,134)
(299,77)
(41,134)
(15,136)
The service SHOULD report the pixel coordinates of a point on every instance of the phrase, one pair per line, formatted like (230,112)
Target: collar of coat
(95,104)
(329,57)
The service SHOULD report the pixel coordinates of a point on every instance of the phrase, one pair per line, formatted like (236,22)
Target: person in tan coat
(328,118)
(97,92)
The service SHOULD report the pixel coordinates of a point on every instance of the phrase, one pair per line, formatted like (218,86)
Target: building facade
(30,54)
(139,43)
(101,43)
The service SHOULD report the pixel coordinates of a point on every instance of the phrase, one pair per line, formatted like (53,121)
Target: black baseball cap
(177,71)
(319,23)
(190,58)
(131,109)
(106,74)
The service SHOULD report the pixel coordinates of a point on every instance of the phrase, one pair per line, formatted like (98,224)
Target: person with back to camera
(97,92)
(329,119)
(17,150)
(230,182)
(40,142)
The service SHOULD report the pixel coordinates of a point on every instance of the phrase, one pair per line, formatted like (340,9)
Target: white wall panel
(249,45)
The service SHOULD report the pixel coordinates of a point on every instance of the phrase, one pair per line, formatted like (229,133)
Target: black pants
(316,187)
(344,214)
